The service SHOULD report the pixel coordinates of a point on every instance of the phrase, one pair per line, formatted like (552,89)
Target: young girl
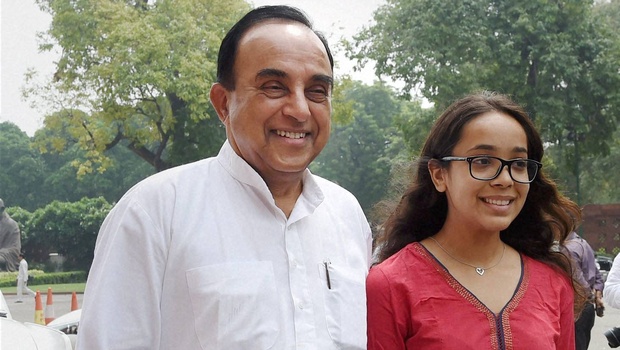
(467,260)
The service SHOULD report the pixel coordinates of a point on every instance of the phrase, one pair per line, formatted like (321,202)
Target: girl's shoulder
(545,273)
(413,257)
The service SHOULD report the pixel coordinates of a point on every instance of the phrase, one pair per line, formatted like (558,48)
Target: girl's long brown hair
(547,216)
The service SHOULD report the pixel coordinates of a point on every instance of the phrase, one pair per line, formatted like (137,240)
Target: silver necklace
(479,269)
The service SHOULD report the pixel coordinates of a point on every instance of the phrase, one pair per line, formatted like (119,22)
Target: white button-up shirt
(200,257)
(23,270)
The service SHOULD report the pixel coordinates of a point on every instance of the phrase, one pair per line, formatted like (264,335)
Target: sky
(20,20)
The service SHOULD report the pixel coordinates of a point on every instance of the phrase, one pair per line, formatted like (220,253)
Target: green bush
(8,279)
(69,229)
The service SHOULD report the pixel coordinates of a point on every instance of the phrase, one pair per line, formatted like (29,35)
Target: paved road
(62,304)
(24,312)
(601,324)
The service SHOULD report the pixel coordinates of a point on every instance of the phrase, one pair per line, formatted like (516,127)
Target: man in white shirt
(248,249)
(22,280)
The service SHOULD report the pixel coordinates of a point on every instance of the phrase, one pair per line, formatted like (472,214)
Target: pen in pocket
(326,263)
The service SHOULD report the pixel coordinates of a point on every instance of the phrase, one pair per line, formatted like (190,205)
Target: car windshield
(604,263)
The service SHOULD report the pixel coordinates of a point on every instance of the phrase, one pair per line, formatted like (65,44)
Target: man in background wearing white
(22,280)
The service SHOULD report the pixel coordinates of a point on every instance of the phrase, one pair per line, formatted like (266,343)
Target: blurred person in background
(22,279)
(591,279)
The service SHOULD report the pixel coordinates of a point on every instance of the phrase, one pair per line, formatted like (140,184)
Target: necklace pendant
(480,271)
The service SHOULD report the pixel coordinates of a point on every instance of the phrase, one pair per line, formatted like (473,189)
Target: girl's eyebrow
(484,147)
(519,149)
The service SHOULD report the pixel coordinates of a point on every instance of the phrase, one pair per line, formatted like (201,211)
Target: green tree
(66,228)
(559,59)
(600,181)
(122,170)
(22,169)
(31,180)
(415,123)
(137,71)
(361,150)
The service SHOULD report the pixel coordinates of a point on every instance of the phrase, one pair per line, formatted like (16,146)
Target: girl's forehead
(490,131)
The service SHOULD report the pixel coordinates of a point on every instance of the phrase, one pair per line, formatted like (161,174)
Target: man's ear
(437,175)
(219,100)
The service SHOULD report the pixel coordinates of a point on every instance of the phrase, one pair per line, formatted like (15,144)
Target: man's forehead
(267,28)
(272,40)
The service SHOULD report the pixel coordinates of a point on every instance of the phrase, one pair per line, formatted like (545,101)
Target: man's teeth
(497,202)
(291,135)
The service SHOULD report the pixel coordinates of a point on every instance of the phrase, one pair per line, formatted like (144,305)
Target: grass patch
(56,288)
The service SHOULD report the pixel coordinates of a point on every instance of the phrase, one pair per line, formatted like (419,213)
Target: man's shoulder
(574,245)
(324,183)
(165,186)
(178,173)
(333,190)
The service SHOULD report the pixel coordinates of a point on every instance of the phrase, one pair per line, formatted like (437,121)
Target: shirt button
(300,306)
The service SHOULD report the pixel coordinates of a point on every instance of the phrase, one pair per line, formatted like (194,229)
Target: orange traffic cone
(74,302)
(49,307)
(38,309)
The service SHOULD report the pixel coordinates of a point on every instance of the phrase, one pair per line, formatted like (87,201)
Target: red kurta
(414,303)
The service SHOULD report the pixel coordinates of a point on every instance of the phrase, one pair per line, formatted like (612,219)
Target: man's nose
(297,106)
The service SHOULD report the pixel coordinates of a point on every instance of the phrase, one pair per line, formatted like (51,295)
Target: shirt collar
(238,168)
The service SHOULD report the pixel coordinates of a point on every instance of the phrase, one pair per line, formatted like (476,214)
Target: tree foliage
(559,59)
(599,179)
(361,150)
(138,71)
(67,228)
(22,169)
(31,180)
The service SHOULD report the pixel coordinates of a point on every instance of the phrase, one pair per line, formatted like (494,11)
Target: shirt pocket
(345,306)
(235,305)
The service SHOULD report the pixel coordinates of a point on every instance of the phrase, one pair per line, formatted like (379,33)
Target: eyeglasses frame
(504,162)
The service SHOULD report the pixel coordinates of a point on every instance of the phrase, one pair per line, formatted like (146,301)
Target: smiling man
(248,249)
(278,111)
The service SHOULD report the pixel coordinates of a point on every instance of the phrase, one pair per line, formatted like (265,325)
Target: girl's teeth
(497,202)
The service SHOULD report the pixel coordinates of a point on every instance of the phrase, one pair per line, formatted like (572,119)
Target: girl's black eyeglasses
(487,168)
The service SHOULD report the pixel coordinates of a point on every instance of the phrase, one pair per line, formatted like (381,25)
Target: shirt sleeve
(383,330)
(122,299)
(576,263)
(611,292)
(592,275)
(599,283)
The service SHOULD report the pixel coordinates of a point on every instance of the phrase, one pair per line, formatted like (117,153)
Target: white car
(29,336)
(603,263)
(67,323)
(4,308)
